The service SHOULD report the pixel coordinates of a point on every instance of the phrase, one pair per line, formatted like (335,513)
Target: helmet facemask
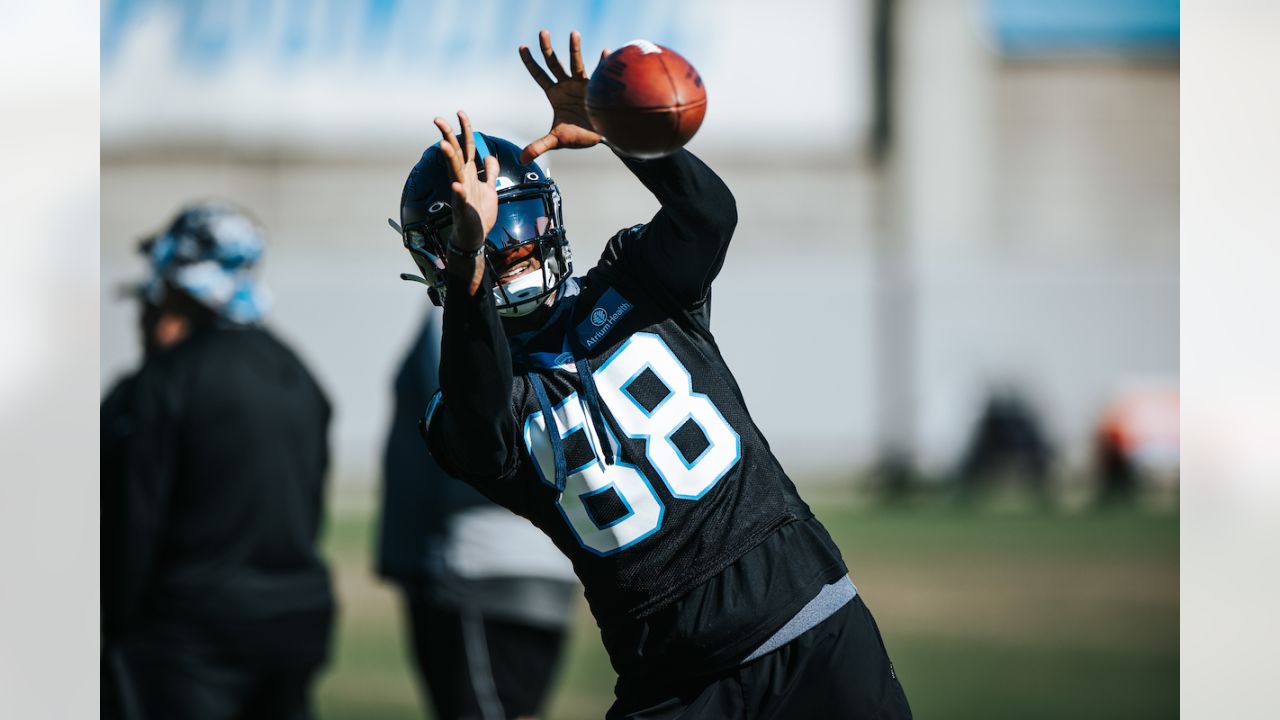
(527,242)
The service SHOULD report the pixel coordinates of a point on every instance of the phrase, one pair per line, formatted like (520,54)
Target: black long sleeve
(473,430)
(136,476)
(418,498)
(143,503)
(686,241)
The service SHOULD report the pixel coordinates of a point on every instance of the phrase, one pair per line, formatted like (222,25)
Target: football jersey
(625,438)
(692,485)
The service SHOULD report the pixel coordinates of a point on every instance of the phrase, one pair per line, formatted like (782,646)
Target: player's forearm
(475,380)
(469,271)
(697,201)
(684,245)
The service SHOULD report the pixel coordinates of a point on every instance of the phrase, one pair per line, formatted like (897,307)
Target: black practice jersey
(626,438)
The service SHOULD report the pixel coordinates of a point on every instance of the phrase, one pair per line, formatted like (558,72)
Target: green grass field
(986,615)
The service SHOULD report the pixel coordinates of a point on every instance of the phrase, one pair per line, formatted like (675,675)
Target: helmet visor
(519,221)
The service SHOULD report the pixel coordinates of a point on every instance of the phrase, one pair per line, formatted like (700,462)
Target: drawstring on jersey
(553,431)
(534,362)
(592,397)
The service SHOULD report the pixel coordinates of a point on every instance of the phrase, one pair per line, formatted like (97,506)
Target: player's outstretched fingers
(548,54)
(539,146)
(576,65)
(468,141)
(603,54)
(454,159)
(491,169)
(449,146)
(539,75)
(443,126)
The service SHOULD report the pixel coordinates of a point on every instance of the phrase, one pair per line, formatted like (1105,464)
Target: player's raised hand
(475,201)
(567,93)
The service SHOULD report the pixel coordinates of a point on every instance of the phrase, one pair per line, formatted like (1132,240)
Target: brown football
(646,100)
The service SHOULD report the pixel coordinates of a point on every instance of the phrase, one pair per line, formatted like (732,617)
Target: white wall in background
(346,75)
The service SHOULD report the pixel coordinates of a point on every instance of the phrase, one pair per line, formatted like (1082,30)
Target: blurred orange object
(1138,438)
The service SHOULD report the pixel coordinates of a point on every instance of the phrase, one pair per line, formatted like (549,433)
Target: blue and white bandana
(210,251)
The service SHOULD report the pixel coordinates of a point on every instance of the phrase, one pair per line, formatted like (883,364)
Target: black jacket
(213,462)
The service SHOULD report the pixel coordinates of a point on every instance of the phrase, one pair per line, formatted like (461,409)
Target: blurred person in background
(215,602)
(1008,444)
(487,596)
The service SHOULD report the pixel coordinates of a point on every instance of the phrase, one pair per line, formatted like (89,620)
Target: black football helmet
(526,250)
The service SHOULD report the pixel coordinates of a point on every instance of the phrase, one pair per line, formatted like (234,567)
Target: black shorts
(837,669)
(479,667)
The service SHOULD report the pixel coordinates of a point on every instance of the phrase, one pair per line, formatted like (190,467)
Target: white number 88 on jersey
(687,442)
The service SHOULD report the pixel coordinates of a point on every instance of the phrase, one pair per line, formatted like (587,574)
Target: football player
(216,602)
(599,407)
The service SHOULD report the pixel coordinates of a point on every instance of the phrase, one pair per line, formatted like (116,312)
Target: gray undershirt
(823,605)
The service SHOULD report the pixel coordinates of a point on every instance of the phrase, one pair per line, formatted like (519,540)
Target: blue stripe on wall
(1029,27)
